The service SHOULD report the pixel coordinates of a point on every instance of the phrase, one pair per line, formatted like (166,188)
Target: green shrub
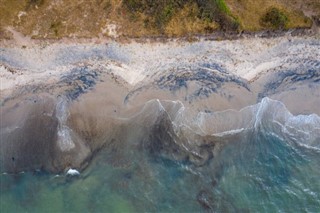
(275,18)
(218,11)
(222,6)
(159,13)
(164,15)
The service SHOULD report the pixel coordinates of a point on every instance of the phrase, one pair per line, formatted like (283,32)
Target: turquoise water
(255,172)
(268,175)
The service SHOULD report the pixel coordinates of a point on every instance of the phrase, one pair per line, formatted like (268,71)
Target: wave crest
(267,117)
(162,128)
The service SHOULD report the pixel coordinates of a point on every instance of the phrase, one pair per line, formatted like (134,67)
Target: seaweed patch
(208,78)
(82,79)
(288,78)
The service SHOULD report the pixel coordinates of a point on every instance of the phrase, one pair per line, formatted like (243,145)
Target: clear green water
(254,173)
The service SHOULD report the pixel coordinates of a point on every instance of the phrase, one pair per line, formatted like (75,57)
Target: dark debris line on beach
(288,78)
(208,78)
(82,80)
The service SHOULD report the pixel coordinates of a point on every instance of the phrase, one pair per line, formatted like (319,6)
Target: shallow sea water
(259,172)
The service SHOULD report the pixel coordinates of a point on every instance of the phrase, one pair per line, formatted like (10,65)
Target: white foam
(64,141)
(73,172)
(268,116)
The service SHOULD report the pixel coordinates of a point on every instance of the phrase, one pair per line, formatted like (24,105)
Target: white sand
(136,62)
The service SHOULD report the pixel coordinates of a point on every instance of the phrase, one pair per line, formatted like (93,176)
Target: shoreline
(134,63)
(81,97)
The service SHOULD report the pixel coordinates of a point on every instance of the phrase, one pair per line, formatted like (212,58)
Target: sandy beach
(91,91)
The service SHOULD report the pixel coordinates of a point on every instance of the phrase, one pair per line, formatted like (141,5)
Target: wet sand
(62,103)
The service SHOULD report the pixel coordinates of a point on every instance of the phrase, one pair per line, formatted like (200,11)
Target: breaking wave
(260,151)
(268,117)
(164,128)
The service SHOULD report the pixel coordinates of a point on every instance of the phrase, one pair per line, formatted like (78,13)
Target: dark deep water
(269,166)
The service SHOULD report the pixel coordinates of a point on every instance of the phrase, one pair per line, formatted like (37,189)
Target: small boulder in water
(73,172)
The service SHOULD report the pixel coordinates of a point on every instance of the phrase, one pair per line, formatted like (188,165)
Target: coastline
(160,106)
(134,62)
(90,93)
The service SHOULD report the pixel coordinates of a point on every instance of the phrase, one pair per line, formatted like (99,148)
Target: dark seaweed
(82,80)
(287,79)
(207,81)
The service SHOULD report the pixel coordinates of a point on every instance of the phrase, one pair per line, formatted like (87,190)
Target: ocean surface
(269,165)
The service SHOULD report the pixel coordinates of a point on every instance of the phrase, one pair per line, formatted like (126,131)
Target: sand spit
(78,98)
